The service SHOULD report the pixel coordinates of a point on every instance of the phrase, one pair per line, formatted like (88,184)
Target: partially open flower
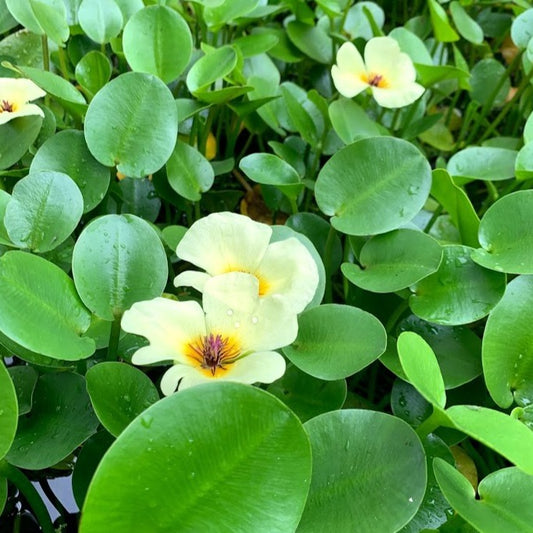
(227,242)
(14,97)
(386,70)
(232,341)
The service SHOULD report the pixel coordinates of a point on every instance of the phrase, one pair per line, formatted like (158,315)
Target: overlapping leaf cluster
(411,377)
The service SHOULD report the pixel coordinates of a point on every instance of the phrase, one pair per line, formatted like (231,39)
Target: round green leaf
(458,349)
(408,404)
(254,451)
(459,292)
(363,461)
(139,197)
(211,67)
(521,29)
(60,420)
(385,188)
(8,412)
(421,367)
(101,20)
(484,77)
(157,40)
(189,172)
(118,260)
(44,209)
(357,23)
(119,392)
(16,136)
(132,123)
(483,163)
(335,341)
(395,260)
(48,317)
(217,13)
(350,121)
(67,152)
(508,345)
(503,503)
(506,240)
(307,396)
(3,493)
(93,71)
(24,379)
(21,10)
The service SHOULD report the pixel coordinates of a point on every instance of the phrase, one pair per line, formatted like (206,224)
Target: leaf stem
(46,52)
(15,476)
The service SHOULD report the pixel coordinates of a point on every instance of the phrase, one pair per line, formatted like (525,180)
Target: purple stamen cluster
(213,351)
(6,106)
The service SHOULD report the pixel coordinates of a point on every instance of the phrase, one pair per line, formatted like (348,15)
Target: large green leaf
(363,462)
(508,345)
(118,260)
(8,412)
(503,503)
(211,67)
(313,41)
(507,242)
(119,392)
(373,185)
(335,341)
(67,152)
(132,123)
(44,209)
(459,292)
(499,431)
(157,40)
(485,77)
(395,260)
(48,317)
(251,461)
(60,420)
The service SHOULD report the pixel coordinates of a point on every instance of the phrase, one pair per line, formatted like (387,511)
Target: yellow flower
(386,70)
(14,97)
(228,242)
(231,339)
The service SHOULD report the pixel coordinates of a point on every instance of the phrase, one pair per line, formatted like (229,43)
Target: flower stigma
(7,106)
(213,354)
(376,80)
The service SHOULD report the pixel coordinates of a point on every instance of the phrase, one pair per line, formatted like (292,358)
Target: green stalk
(15,476)
(46,52)
(328,251)
(114,337)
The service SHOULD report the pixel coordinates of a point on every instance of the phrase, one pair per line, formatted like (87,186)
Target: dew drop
(255,320)
(237,324)
(229,312)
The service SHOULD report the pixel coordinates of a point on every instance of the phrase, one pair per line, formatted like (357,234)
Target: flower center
(213,353)
(7,106)
(376,80)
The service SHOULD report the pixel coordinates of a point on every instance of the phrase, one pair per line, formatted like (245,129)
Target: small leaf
(8,413)
(101,20)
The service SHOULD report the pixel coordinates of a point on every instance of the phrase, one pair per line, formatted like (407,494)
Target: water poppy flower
(231,339)
(386,70)
(15,93)
(228,242)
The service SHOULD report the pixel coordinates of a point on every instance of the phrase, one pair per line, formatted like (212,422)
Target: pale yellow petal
(225,242)
(398,97)
(347,83)
(191,278)
(19,90)
(382,56)
(258,367)
(148,355)
(168,325)
(234,308)
(289,270)
(188,375)
(349,59)
(23,111)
